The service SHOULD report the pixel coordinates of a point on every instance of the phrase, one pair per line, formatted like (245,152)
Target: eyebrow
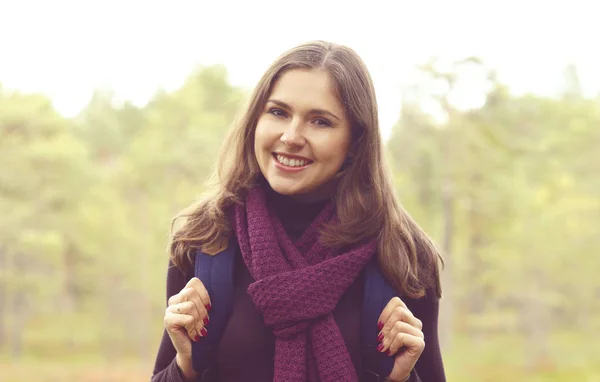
(311,111)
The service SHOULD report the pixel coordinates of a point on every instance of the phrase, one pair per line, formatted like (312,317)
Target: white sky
(65,49)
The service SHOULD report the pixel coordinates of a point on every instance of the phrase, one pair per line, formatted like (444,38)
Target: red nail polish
(204,332)
(379,325)
(380,347)
(208,307)
(197,338)
(380,337)
(206,320)
(387,352)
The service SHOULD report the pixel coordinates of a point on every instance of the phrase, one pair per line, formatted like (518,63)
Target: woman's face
(302,135)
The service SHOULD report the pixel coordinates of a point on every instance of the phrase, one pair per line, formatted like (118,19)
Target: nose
(293,136)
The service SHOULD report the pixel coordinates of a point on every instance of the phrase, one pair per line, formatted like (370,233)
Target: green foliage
(525,198)
(509,190)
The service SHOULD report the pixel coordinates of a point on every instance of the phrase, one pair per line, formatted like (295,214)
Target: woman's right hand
(186,317)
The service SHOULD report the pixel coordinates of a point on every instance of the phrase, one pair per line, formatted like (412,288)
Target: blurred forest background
(510,191)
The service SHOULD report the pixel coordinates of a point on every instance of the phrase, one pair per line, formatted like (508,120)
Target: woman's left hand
(401,337)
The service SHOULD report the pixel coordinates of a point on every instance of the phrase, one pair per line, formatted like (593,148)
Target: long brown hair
(365,201)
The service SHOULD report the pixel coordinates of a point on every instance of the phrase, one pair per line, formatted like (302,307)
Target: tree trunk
(536,325)
(477,265)
(446,305)
(18,308)
(69,297)
(3,297)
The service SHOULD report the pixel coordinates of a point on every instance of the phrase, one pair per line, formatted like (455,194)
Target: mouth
(291,162)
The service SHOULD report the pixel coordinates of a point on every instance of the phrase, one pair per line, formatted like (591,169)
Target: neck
(296,212)
(321,194)
(310,198)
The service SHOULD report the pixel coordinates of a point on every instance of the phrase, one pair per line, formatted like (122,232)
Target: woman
(303,190)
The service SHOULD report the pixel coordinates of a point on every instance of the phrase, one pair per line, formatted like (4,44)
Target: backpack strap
(216,273)
(377,293)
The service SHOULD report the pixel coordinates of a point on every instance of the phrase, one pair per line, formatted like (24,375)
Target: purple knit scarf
(298,284)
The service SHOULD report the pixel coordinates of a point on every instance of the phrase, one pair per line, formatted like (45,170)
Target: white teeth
(291,162)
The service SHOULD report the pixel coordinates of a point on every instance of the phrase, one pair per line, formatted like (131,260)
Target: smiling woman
(330,279)
(298,148)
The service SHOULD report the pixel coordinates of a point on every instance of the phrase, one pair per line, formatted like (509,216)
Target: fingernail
(204,332)
(206,320)
(387,352)
(197,338)
(380,347)
(208,307)
(379,325)
(380,337)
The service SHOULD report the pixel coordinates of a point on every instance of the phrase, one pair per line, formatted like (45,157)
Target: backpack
(216,273)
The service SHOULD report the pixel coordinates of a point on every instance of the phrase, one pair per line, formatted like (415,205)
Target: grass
(569,358)
(133,372)
(44,371)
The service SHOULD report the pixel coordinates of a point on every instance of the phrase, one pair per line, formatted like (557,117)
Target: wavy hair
(365,200)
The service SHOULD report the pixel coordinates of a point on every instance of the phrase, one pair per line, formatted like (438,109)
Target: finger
(202,300)
(203,318)
(202,292)
(194,292)
(389,309)
(414,345)
(401,314)
(175,299)
(191,294)
(185,307)
(399,327)
(197,285)
(201,314)
(194,326)
(175,322)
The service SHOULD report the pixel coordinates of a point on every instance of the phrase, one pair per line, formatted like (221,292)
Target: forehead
(308,88)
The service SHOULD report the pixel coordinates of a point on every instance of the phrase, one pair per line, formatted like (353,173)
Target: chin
(284,189)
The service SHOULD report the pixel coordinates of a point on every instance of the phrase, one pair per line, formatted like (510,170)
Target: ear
(347,162)
(352,150)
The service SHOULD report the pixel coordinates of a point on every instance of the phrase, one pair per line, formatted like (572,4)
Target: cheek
(259,137)
(264,130)
(263,140)
(336,150)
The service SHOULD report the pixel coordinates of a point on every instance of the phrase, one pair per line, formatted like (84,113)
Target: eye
(322,122)
(277,112)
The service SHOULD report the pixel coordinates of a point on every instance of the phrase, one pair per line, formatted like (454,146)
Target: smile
(290,163)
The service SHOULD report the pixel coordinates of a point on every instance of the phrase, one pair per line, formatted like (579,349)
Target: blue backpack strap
(377,293)
(216,273)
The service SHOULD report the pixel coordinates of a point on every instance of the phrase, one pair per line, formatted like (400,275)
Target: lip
(285,168)
(292,156)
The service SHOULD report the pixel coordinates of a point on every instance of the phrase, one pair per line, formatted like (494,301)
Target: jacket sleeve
(171,373)
(165,366)
(429,367)
(414,377)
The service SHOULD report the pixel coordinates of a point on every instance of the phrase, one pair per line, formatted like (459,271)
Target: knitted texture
(298,284)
